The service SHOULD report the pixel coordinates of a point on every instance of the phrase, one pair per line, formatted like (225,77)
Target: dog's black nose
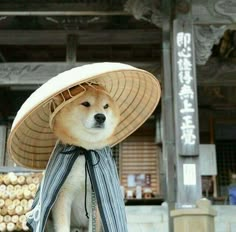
(100,118)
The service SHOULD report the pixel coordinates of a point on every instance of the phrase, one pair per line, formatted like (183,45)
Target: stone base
(200,219)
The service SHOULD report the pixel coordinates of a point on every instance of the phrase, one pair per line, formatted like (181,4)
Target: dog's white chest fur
(71,199)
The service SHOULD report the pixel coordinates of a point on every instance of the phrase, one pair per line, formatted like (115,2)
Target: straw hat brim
(136,91)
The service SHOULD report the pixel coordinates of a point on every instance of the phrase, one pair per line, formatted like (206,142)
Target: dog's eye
(106,106)
(86,104)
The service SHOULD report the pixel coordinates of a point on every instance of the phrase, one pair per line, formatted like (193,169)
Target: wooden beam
(61,9)
(218,12)
(85,37)
(31,75)
(214,73)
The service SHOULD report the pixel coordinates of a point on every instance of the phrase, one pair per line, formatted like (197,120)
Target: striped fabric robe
(105,183)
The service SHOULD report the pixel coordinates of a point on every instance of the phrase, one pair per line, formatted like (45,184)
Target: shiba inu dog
(88,121)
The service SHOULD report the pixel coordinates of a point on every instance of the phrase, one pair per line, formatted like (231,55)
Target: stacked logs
(16,197)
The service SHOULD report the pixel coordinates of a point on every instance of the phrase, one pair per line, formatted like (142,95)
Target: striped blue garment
(105,182)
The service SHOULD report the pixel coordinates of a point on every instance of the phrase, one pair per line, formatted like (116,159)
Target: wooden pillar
(3,138)
(186,108)
(71,48)
(167,110)
(212,132)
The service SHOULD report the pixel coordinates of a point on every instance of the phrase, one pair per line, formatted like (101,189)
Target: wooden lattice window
(139,163)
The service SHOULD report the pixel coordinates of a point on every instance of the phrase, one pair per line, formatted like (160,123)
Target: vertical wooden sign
(186,108)
(186,113)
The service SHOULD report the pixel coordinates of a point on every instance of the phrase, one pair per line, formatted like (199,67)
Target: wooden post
(3,137)
(71,48)
(214,178)
(167,110)
(186,109)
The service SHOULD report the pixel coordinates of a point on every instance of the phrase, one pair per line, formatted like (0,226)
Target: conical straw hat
(136,91)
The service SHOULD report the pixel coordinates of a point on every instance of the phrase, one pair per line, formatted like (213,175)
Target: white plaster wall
(155,219)
(225,221)
(147,218)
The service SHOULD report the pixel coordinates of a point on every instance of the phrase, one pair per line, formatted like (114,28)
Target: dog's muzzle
(99,119)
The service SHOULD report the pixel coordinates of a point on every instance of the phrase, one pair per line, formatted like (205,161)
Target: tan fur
(76,124)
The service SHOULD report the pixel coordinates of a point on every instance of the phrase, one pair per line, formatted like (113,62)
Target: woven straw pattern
(136,91)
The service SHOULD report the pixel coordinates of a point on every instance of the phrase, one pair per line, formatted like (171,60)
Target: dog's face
(89,120)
